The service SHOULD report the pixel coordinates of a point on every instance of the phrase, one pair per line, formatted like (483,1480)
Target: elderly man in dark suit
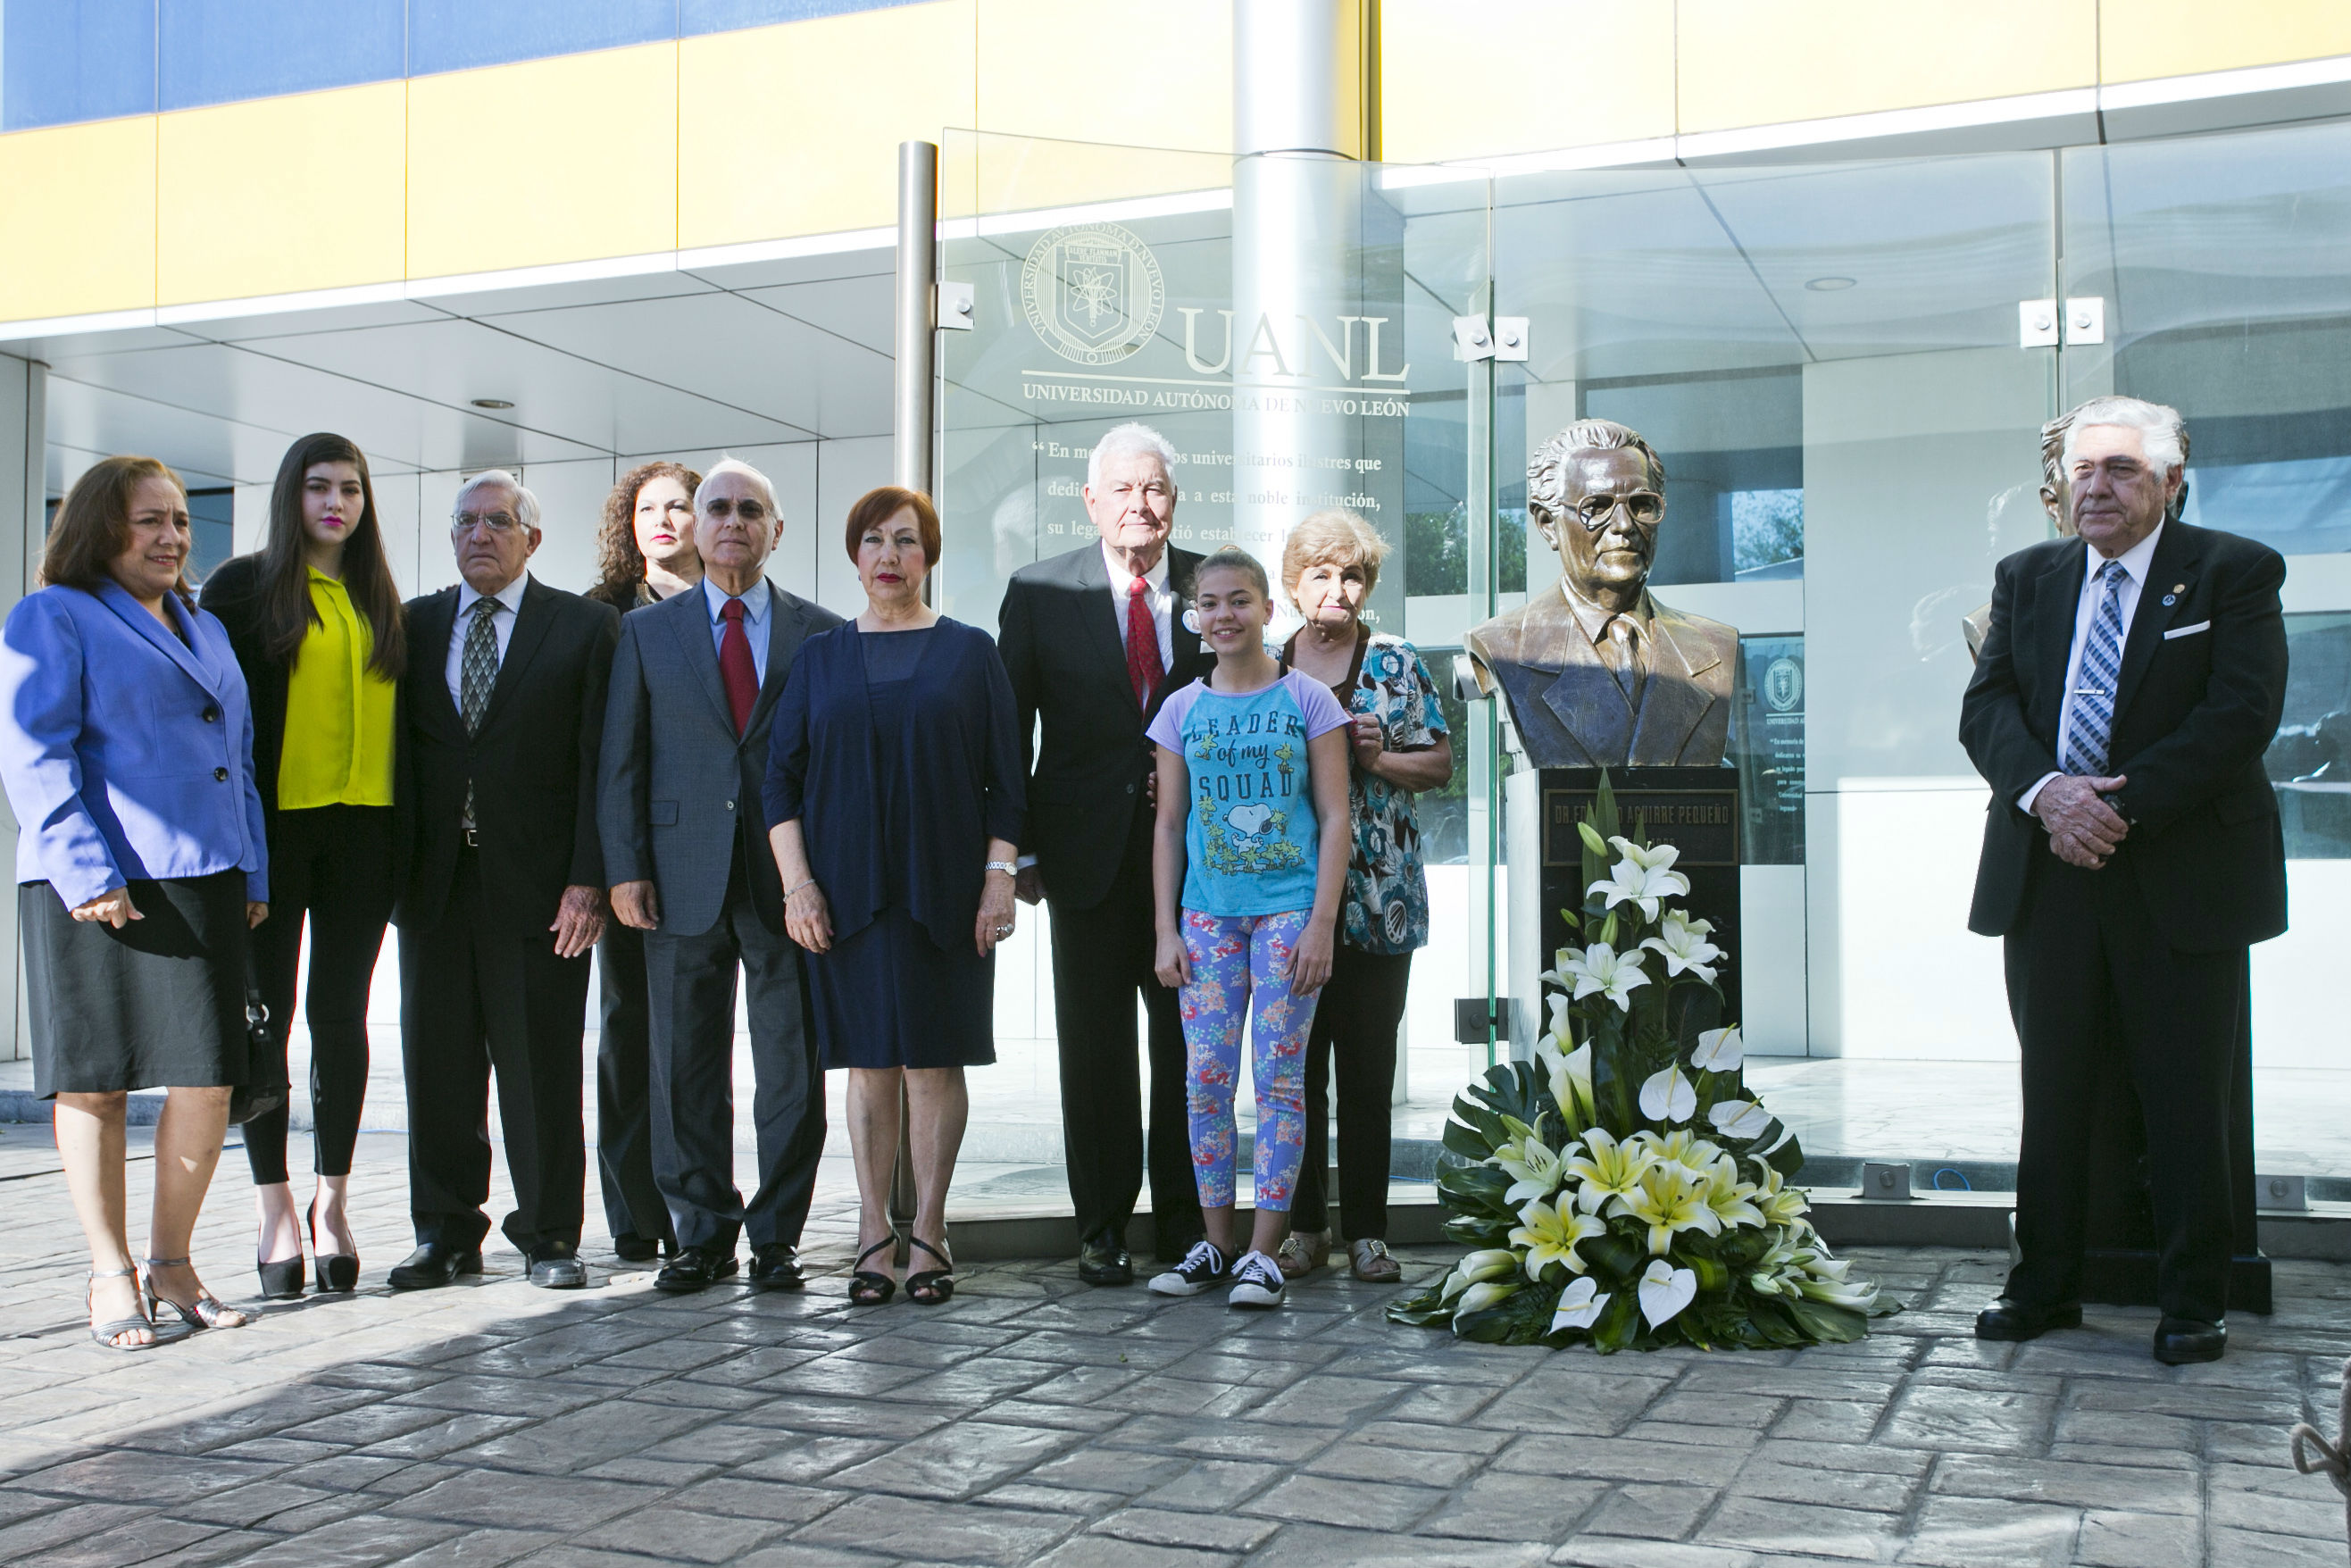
(1093,640)
(694,684)
(500,895)
(2128,684)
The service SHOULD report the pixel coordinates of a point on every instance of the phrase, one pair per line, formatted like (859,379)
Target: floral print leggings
(1238,962)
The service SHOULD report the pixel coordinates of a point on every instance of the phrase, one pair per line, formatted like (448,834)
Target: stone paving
(1035,1421)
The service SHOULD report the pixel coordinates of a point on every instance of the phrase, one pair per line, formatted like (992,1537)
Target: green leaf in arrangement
(1619,1321)
(1481,1120)
(1467,1142)
(1827,1323)
(1420,1310)
(1478,1230)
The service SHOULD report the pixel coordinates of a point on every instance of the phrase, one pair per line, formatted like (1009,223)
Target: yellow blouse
(339,713)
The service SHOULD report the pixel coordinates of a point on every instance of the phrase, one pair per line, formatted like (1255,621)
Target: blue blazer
(127,754)
(958,771)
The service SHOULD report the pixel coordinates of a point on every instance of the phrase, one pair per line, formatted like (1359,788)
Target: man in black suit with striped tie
(2130,682)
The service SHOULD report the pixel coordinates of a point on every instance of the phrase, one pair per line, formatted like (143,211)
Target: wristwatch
(1006,867)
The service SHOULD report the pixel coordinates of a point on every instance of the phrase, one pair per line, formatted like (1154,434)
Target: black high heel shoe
(281,1280)
(868,1288)
(339,1272)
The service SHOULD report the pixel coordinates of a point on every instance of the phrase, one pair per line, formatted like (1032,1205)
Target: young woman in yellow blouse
(315,618)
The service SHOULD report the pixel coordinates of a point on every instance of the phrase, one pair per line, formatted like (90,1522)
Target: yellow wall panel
(2143,38)
(549,161)
(1144,73)
(280,196)
(1762,62)
(794,129)
(77,221)
(1523,76)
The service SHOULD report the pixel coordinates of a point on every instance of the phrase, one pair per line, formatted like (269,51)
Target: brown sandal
(1301,1252)
(1370,1262)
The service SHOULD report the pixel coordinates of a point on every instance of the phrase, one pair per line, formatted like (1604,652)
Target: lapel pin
(2171,598)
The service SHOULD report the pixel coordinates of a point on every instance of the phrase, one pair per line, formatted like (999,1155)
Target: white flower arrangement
(1624,1188)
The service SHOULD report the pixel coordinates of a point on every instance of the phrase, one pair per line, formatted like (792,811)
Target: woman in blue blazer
(126,749)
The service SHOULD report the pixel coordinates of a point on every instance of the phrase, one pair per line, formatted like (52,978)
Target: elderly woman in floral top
(1330,565)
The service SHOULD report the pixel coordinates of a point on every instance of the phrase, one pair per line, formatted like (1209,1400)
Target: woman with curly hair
(646,554)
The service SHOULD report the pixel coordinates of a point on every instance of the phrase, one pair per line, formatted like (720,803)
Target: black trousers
(690,990)
(624,1127)
(2090,979)
(1101,961)
(333,863)
(476,999)
(1355,1026)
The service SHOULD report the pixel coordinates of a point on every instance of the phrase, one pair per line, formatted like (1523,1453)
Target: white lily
(1581,1304)
(1562,1026)
(1740,1119)
(1823,1280)
(1782,1205)
(1717,1049)
(1668,1096)
(1550,1235)
(1776,1272)
(1490,1263)
(1606,1169)
(1601,968)
(1535,1171)
(1485,1294)
(1570,1072)
(1682,1145)
(1643,878)
(1669,1200)
(1682,941)
(1665,1291)
(1733,1201)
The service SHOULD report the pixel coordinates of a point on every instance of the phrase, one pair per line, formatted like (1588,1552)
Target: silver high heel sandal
(104,1334)
(207,1313)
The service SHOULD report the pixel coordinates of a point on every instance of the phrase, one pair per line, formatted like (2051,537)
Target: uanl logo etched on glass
(1092,292)
(1783,685)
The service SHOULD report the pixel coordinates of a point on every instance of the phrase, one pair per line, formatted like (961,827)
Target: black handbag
(263,1047)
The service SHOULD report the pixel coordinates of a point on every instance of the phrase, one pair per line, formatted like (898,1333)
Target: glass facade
(1828,357)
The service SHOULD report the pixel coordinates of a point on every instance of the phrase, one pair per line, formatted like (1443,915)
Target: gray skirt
(159,1004)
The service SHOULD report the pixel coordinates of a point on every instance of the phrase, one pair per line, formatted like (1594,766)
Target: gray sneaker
(1203,1269)
(1256,1282)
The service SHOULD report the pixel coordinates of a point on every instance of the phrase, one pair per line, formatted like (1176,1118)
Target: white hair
(735,465)
(1126,438)
(526,504)
(2163,434)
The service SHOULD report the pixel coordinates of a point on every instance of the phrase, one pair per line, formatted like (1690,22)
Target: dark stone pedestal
(1693,809)
(2118,1265)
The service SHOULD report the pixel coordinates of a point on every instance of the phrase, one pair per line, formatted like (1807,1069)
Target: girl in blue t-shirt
(1251,761)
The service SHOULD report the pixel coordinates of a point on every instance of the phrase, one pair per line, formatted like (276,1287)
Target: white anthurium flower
(1669,1200)
(1665,1291)
(1491,1263)
(1606,1169)
(1643,878)
(1535,1171)
(1717,1049)
(1731,1199)
(1668,1096)
(1485,1294)
(1601,968)
(1581,1304)
(1683,943)
(1740,1119)
(1550,1235)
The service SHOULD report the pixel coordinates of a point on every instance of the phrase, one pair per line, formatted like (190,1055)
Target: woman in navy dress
(895,805)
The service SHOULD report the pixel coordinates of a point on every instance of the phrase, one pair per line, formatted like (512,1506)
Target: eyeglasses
(499,523)
(1645,508)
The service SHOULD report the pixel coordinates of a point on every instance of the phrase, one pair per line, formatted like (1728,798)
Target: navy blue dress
(899,753)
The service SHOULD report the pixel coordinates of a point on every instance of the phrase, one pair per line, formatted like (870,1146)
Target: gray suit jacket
(678,791)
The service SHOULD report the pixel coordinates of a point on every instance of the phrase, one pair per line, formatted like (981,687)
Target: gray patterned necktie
(2090,726)
(477,676)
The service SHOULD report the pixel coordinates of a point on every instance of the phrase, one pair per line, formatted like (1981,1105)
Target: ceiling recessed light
(1829,285)
(492,402)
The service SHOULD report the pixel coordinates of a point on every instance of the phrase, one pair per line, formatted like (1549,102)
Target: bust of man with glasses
(1597,673)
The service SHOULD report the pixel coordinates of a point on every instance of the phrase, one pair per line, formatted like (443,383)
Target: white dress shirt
(1157,594)
(502,625)
(755,600)
(2136,561)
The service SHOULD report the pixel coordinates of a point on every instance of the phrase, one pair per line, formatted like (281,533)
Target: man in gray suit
(694,682)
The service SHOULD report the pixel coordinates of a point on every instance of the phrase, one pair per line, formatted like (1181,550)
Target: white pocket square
(2187,631)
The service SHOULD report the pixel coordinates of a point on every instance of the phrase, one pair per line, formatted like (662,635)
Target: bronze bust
(1595,671)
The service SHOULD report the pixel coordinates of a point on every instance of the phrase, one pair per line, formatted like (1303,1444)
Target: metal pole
(910,466)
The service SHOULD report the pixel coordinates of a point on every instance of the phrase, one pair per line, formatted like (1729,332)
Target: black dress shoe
(431,1266)
(2179,1341)
(2008,1320)
(554,1269)
(696,1268)
(1102,1260)
(640,1250)
(776,1267)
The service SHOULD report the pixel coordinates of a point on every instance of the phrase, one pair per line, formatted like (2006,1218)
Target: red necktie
(734,665)
(1142,667)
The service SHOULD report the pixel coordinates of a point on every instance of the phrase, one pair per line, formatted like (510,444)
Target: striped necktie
(2090,721)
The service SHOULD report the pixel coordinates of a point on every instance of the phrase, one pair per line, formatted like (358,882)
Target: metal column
(24,525)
